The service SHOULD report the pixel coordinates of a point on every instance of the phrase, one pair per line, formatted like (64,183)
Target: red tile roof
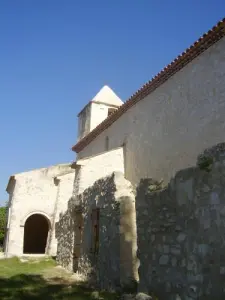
(207,40)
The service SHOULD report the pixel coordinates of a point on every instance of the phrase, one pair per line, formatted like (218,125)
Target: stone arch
(36,231)
(39,212)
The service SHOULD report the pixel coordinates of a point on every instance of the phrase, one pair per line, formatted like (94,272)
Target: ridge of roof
(202,44)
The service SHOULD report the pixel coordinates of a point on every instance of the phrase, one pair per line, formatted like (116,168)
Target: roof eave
(201,45)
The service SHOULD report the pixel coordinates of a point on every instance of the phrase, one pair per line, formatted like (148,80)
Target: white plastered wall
(99,166)
(99,112)
(64,193)
(34,192)
(168,129)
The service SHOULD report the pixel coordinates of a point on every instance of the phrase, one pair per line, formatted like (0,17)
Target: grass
(41,279)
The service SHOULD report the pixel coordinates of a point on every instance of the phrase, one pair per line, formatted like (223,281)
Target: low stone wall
(114,264)
(181,231)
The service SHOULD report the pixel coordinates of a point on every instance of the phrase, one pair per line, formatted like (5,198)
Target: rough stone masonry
(181,231)
(114,263)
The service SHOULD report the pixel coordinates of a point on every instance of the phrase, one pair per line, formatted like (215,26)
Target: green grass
(41,279)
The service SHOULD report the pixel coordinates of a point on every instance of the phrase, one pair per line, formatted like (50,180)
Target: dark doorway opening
(35,234)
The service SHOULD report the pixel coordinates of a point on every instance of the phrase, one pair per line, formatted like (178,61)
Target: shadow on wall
(64,231)
(181,231)
(100,241)
(103,233)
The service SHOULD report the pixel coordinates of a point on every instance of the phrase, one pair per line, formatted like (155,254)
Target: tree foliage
(3,211)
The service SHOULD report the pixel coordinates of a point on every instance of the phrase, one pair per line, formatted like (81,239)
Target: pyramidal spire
(97,110)
(107,96)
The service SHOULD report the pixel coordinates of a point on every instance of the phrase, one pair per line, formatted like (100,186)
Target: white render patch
(99,166)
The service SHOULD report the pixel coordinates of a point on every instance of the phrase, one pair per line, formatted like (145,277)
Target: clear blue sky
(56,55)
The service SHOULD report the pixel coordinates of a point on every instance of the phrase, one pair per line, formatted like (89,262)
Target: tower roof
(104,96)
(107,96)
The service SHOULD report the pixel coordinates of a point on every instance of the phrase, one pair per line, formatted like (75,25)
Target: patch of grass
(42,280)
(13,266)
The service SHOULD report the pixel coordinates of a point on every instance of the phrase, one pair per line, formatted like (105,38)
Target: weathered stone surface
(175,251)
(65,237)
(166,249)
(174,261)
(142,296)
(163,260)
(181,239)
(114,265)
(128,297)
(176,297)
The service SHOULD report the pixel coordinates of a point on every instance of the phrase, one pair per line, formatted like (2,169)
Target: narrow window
(111,110)
(107,143)
(95,231)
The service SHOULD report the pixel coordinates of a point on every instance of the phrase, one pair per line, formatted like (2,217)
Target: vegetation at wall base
(3,212)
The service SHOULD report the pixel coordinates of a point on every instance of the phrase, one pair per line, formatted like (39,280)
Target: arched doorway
(35,234)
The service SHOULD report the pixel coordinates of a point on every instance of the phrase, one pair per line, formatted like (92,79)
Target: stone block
(143,296)
(164,259)
(181,237)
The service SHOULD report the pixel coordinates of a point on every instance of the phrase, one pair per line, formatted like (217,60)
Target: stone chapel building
(38,197)
(86,210)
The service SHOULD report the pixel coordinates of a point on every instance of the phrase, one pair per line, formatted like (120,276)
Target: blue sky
(56,55)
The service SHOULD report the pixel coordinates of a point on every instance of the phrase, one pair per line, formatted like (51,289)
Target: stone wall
(160,130)
(64,232)
(99,112)
(181,231)
(115,262)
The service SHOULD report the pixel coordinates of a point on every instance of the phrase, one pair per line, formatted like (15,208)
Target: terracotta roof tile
(207,40)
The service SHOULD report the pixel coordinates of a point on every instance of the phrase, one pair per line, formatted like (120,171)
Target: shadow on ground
(24,287)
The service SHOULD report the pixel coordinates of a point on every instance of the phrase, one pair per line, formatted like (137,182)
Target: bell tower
(97,110)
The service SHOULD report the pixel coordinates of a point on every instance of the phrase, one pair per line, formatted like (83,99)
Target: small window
(95,231)
(111,111)
(107,143)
